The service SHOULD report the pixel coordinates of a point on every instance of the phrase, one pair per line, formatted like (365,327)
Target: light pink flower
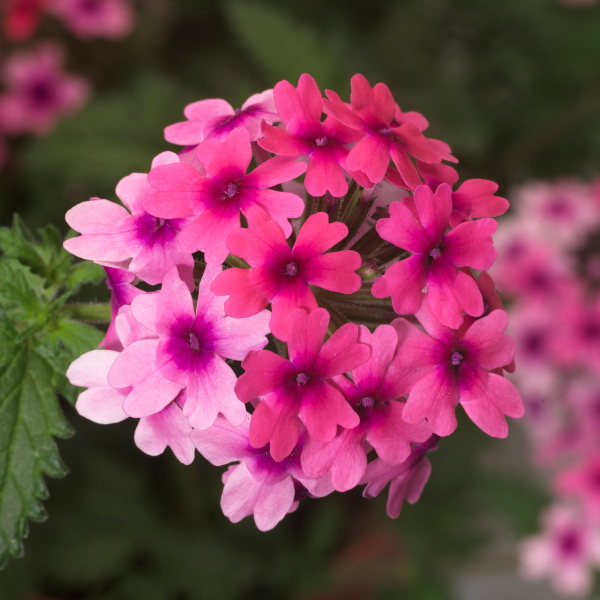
(374,393)
(436,257)
(283,275)
(38,92)
(305,135)
(215,118)
(407,479)
(455,366)
(145,245)
(567,552)
(218,198)
(583,482)
(299,390)
(189,353)
(259,485)
(373,113)
(113,19)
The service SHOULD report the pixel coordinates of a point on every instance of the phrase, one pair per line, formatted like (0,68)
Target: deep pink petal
(246,294)
(434,209)
(276,170)
(281,141)
(305,336)
(227,160)
(403,230)
(295,295)
(469,244)
(371,155)
(265,372)
(324,174)
(408,488)
(280,206)
(317,236)
(334,271)
(341,353)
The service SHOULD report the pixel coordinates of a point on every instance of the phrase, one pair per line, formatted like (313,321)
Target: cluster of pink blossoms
(297,266)
(548,265)
(37,93)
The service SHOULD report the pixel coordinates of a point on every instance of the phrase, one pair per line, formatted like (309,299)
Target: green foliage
(37,342)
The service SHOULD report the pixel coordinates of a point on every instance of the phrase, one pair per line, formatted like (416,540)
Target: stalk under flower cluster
(293,277)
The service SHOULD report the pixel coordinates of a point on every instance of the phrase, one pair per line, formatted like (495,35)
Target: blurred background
(512,85)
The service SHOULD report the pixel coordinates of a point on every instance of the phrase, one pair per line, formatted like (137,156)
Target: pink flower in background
(583,482)
(299,390)
(406,479)
(455,366)
(373,113)
(189,353)
(113,19)
(436,257)
(283,275)
(218,198)
(567,551)
(38,92)
(300,110)
(216,119)
(111,236)
(259,485)
(22,18)
(374,393)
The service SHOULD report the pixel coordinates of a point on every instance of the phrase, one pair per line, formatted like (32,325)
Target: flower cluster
(37,93)
(285,246)
(546,261)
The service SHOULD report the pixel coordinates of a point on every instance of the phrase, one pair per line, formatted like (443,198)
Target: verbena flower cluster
(290,244)
(549,263)
(37,93)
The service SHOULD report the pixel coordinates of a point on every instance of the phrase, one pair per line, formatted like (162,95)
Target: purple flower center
(435,253)
(533,343)
(89,6)
(456,358)
(291,270)
(302,378)
(570,543)
(41,93)
(559,207)
(591,330)
(385,130)
(368,402)
(194,341)
(232,190)
(323,141)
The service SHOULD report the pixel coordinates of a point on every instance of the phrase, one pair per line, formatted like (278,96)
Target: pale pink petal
(223,443)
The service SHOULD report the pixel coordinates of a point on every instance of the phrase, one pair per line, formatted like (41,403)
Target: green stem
(88,312)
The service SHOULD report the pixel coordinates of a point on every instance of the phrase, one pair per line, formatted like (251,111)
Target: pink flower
(583,482)
(436,257)
(188,353)
(374,393)
(103,403)
(22,18)
(299,390)
(258,485)
(451,367)
(283,275)
(567,551)
(216,119)
(38,93)
(407,479)
(218,198)
(111,236)
(305,135)
(474,199)
(373,113)
(122,293)
(113,19)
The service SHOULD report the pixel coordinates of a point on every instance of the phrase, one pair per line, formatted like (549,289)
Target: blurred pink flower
(38,92)
(113,19)
(22,18)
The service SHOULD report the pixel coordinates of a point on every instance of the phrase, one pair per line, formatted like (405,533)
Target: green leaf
(14,287)
(284,47)
(84,272)
(29,419)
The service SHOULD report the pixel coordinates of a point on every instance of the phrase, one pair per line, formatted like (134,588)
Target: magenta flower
(474,198)
(454,366)
(374,394)
(215,118)
(305,135)
(283,275)
(299,390)
(187,354)
(567,551)
(259,485)
(38,92)
(113,19)
(218,198)
(436,258)
(22,18)
(583,482)
(373,112)
(406,479)
(111,236)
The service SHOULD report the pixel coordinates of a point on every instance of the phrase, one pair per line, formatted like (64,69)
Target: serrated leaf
(14,287)
(84,272)
(16,243)
(30,418)
(284,47)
